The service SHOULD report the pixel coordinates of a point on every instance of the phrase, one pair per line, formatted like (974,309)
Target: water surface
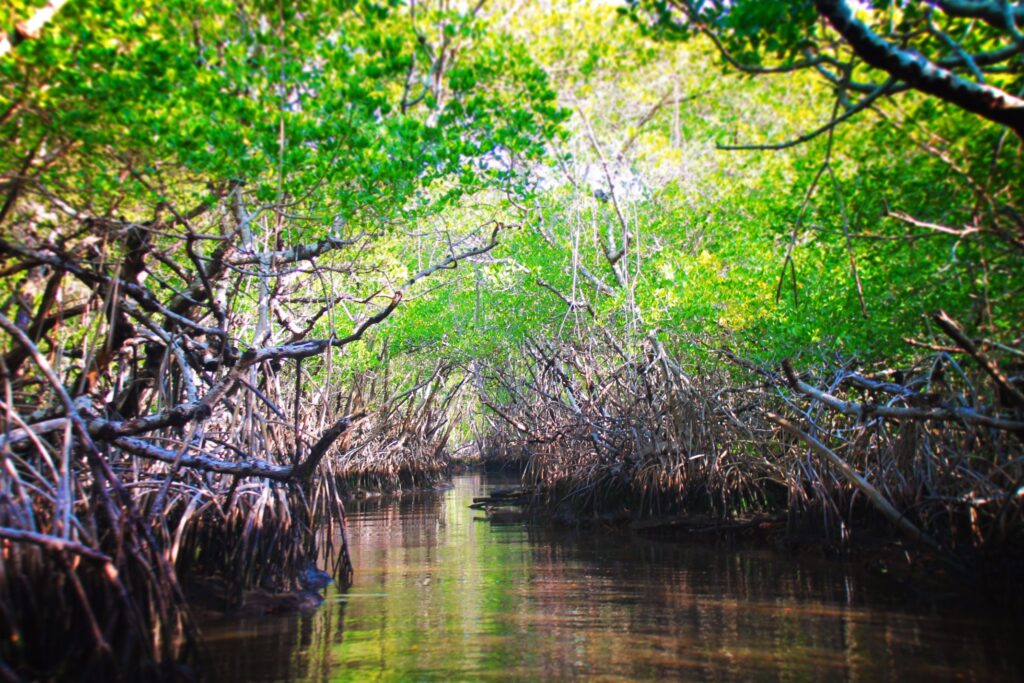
(440,596)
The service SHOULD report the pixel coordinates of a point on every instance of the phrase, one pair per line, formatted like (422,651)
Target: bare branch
(862,484)
(243,468)
(303,252)
(868,410)
(991,12)
(953,330)
(53,543)
(919,72)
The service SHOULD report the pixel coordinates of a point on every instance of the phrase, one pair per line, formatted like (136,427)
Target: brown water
(439,596)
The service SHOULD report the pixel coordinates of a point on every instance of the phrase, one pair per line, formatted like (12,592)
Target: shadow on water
(439,596)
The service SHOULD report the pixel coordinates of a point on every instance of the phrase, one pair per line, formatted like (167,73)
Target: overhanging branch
(920,73)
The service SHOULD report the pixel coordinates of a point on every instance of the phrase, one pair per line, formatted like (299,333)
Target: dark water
(439,596)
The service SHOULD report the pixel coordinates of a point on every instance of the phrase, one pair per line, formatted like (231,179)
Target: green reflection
(439,596)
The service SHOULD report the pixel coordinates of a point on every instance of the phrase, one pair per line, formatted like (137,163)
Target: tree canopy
(963,53)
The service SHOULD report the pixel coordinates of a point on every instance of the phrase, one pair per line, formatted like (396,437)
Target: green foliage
(323,103)
(135,105)
(711,228)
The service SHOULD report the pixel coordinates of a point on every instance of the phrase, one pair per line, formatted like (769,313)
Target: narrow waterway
(441,596)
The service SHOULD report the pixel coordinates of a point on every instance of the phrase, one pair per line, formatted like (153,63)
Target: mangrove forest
(511,340)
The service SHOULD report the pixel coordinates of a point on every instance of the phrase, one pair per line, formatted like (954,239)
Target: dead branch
(866,411)
(955,332)
(53,543)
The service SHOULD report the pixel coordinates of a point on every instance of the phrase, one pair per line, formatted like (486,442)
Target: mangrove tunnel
(511,340)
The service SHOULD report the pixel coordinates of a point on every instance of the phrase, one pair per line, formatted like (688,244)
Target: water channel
(439,595)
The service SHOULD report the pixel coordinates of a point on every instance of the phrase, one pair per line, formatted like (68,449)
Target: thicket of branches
(205,212)
(254,257)
(666,388)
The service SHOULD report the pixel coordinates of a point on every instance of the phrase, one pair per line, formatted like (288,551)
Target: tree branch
(31,27)
(953,330)
(920,73)
(854,477)
(242,468)
(989,11)
(867,410)
(53,543)
(303,252)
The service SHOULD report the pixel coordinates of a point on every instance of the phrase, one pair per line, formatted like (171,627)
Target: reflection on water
(438,596)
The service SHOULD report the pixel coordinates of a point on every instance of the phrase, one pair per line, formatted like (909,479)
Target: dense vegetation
(754,260)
